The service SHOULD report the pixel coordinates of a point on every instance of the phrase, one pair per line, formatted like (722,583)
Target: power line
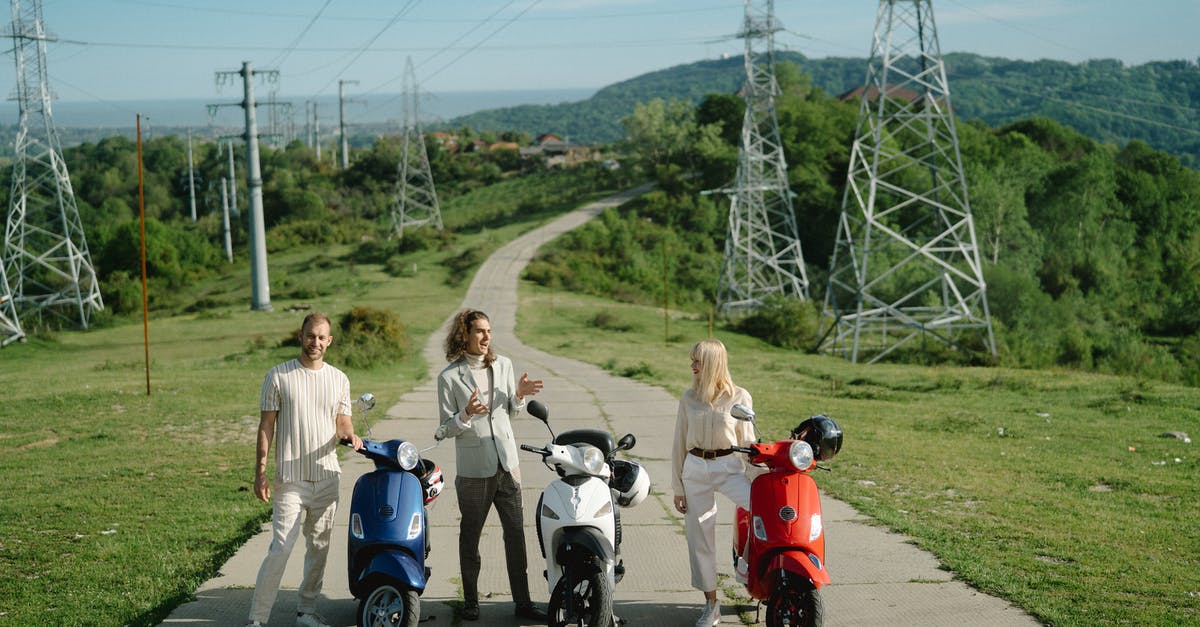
(296,42)
(366,46)
(375,19)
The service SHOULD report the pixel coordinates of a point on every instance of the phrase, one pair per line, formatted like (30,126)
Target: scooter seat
(600,439)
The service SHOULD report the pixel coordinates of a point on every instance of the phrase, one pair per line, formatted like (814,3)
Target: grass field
(1051,489)
(1054,490)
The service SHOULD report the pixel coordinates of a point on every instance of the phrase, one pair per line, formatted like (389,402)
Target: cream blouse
(700,424)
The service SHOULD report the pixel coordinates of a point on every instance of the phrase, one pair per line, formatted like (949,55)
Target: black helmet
(823,434)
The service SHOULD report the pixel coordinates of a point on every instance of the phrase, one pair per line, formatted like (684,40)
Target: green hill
(1104,99)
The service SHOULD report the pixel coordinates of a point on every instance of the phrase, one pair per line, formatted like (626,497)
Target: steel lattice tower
(762,247)
(10,325)
(45,252)
(415,201)
(905,267)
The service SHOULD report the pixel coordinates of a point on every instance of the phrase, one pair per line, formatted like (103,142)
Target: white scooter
(578,524)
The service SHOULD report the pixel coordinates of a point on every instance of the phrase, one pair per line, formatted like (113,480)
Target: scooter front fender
(575,543)
(397,566)
(799,563)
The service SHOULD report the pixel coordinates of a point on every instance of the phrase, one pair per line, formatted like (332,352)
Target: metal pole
(142,222)
(232,181)
(225,220)
(191,178)
(260,288)
(342,126)
(317,131)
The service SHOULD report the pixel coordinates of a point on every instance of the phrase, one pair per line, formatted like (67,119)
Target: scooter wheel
(585,603)
(796,603)
(388,605)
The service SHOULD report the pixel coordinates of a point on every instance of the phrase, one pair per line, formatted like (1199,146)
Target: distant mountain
(1157,102)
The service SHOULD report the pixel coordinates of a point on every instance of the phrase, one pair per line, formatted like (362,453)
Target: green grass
(115,505)
(1051,489)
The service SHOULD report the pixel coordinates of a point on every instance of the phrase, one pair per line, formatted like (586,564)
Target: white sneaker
(253,623)
(711,615)
(310,620)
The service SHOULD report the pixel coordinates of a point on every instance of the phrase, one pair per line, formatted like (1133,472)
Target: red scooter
(784,563)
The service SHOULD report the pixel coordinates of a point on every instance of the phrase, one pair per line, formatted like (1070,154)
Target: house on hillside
(445,140)
(559,153)
(898,93)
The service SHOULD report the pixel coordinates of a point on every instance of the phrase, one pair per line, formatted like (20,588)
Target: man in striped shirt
(305,409)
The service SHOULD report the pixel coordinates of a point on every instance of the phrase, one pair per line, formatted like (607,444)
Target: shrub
(369,337)
(782,321)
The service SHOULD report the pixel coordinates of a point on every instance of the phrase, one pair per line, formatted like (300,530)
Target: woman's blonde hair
(713,381)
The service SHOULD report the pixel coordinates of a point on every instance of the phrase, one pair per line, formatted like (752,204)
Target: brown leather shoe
(470,610)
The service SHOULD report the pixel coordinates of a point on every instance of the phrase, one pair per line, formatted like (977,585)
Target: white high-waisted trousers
(702,479)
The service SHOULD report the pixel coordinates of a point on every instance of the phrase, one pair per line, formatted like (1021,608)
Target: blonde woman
(702,463)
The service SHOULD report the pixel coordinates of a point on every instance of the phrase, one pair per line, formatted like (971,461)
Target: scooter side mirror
(366,402)
(539,410)
(741,412)
(627,442)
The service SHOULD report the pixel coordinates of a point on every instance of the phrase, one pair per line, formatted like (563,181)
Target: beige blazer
(489,442)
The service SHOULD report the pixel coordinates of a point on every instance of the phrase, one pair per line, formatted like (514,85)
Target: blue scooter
(388,536)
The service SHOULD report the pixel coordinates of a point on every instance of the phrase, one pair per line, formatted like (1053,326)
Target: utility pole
(308,123)
(762,246)
(415,202)
(260,285)
(905,266)
(45,251)
(191,178)
(342,122)
(232,181)
(225,220)
(317,131)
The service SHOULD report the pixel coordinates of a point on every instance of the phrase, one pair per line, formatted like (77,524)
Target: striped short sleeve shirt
(308,402)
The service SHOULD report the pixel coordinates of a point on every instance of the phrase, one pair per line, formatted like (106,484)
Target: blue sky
(117,50)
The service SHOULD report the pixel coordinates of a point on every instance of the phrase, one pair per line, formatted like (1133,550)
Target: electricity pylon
(762,247)
(45,252)
(905,267)
(415,202)
(10,324)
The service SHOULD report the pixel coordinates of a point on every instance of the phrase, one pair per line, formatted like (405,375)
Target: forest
(1103,99)
(1092,251)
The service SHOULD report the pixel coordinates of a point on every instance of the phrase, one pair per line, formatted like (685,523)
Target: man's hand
(527,386)
(474,407)
(262,487)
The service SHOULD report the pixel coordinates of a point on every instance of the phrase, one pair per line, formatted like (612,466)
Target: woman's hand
(681,504)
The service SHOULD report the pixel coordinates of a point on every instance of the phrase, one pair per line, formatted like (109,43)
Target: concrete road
(879,578)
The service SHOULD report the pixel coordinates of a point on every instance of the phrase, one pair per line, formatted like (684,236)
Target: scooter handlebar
(742,449)
(533,449)
(346,441)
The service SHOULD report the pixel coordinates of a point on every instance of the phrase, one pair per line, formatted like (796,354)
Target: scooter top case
(387,531)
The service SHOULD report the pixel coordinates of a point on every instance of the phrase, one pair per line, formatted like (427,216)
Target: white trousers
(316,503)
(702,479)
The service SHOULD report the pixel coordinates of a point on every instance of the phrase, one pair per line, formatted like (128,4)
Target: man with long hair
(478,395)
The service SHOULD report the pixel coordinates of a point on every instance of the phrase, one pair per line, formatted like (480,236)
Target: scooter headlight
(593,459)
(801,455)
(407,456)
